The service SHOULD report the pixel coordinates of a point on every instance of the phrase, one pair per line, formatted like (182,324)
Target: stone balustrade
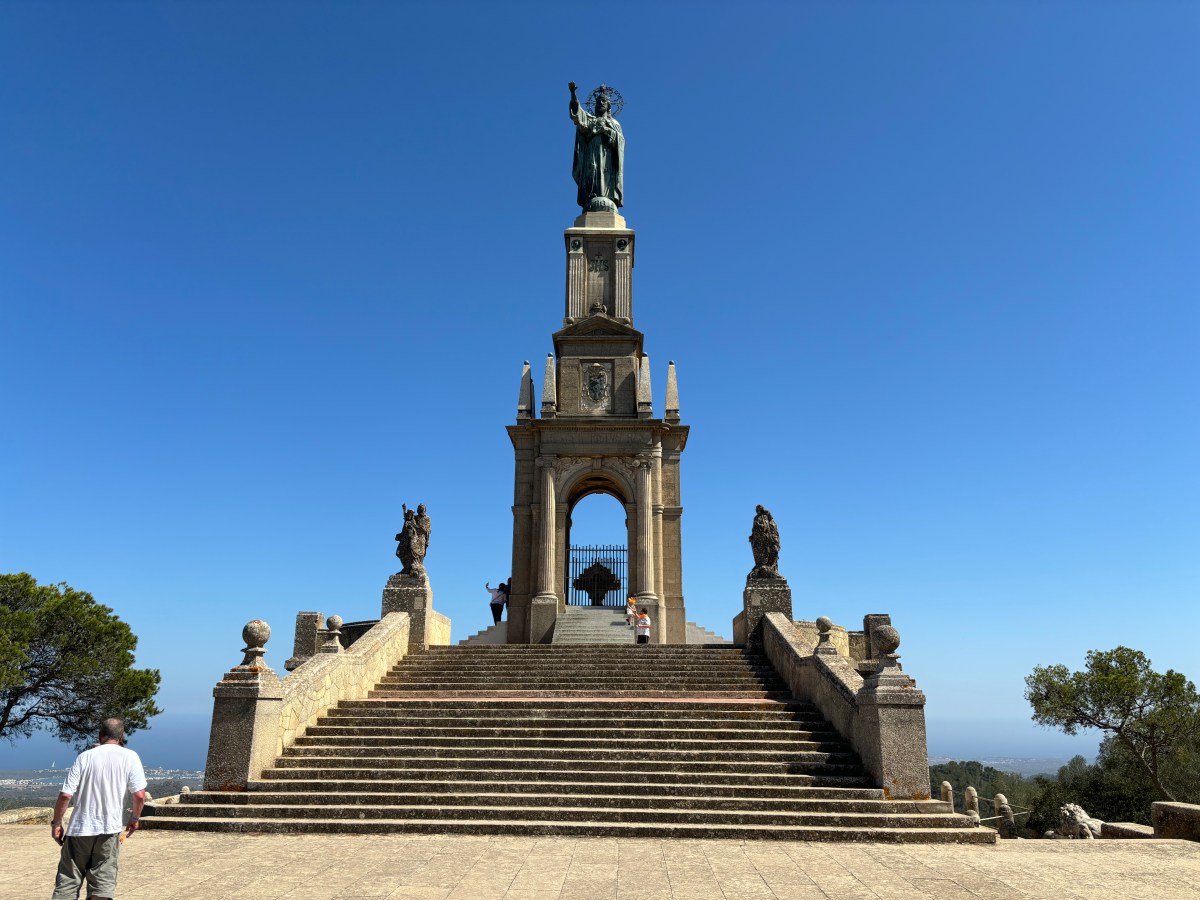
(882,714)
(256,714)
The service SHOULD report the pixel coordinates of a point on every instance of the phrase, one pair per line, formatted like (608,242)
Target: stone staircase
(592,625)
(631,741)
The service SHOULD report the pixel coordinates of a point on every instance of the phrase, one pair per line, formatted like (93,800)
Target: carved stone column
(646,597)
(544,605)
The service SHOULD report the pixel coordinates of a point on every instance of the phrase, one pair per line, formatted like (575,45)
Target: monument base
(761,596)
(543,614)
(604,218)
(410,594)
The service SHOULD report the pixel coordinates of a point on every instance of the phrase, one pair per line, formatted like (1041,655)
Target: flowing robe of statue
(404,549)
(420,538)
(764,543)
(599,164)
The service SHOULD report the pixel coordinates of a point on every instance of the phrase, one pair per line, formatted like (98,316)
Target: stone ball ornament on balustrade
(256,633)
(885,638)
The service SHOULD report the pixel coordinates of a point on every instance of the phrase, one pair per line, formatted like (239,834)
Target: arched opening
(597,571)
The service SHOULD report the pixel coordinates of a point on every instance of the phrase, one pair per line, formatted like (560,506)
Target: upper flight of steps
(591,625)
(631,741)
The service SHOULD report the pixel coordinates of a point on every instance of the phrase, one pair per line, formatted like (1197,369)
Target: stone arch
(582,477)
(578,479)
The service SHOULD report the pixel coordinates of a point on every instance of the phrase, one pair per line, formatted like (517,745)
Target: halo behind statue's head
(615,101)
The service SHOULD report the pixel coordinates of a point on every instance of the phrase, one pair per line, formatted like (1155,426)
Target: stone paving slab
(168,865)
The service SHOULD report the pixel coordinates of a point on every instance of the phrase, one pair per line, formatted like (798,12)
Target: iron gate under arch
(597,576)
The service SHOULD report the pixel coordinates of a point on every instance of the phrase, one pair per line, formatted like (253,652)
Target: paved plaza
(182,865)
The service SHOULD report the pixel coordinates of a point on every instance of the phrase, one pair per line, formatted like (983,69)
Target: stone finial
(645,401)
(998,801)
(948,793)
(333,635)
(884,640)
(256,633)
(525,396)
(671,410)
(824,641)
(971,803)
(550,389)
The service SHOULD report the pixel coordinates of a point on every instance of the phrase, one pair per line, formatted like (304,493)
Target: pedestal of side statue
(761,596)
(411,594)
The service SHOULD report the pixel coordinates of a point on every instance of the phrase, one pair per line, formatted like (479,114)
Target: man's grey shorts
(90,858)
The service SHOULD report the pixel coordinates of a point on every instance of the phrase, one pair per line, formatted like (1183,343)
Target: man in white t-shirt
(643,627)
(91,844)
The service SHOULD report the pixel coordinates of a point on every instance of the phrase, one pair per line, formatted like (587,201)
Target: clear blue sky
(928,272)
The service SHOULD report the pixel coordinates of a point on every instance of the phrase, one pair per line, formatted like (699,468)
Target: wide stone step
(545,649)
(428,710)
(629,801)
(593,732)
(411,692)
(568,775)
(635,664)
(542,827)
(333,758)
(582,814)
(588,784)
(586,753)
(611,720)
(590,688)
(626,680)
(645,748)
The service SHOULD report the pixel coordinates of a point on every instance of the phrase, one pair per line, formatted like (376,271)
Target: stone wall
(882,715)
(327,678)
(1178,821)
(829,682)
(437,630)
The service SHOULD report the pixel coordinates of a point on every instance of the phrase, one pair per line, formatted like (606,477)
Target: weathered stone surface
(305,643)
(413,595)
(525,866)
(883,716)
(1074,822)
(762,596)
(1180,821)
(764,542)
(245,720)
(1125,831)
(413,540)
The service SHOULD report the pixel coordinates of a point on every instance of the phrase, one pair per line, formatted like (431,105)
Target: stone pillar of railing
(332,642)
(410,594)
(892,723)
(948,794)
(245,720)
(306,642)
(1006,823)
(971,803)
(825,645)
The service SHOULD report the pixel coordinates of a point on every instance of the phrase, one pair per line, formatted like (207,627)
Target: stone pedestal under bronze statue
(596,434)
